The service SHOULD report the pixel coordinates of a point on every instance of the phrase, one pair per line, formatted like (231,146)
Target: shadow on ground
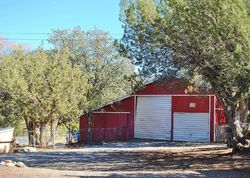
(160,160)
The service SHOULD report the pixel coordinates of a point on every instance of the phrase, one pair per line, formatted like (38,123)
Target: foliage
(82,71)
(109,75)
(206,38)
(40,87)
(210,38)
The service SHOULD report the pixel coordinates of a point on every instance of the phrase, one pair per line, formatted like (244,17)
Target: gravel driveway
(133,159)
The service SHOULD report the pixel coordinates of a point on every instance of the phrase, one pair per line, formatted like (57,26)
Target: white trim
(113,102)
(135,110)
(191,112)
(220,109)
(176,95)
(214,118)
(111,112)
(209,98)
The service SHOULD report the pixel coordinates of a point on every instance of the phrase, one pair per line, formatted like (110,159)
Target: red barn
(158,112)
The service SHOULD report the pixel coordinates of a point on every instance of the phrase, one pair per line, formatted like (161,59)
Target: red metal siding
(105,123)
(83,129)
(112,124)
(181,103)
(161,89)
(125,105)
(99,120)
(118,126)
(106,126)
(221,118)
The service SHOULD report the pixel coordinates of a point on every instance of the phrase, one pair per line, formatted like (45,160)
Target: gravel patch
(133,159)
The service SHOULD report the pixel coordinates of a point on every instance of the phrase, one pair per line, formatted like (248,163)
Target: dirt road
(138,160)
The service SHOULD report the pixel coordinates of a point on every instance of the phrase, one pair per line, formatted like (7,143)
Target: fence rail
(99,135)
(49,138)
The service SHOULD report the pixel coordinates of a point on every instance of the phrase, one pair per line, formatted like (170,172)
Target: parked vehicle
(72,137)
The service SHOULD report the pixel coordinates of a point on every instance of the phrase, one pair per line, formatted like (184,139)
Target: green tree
(208,38)
(39,88)
(7,117)
(109,75)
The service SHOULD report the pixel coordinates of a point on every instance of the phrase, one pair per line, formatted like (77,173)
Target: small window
(192,105)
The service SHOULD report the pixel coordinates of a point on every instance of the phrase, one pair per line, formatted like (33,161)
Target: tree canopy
(82,71)
(210,38)
(207,38)
(109,75)
(40,88)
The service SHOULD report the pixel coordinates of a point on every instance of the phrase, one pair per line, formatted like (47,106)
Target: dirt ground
(134,159)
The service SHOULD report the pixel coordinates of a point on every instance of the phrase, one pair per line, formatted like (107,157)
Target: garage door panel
(191,127)
(153,117)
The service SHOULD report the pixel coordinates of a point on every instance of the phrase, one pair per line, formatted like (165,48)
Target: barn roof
(140,89)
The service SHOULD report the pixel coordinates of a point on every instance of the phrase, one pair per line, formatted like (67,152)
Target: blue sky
(41,16)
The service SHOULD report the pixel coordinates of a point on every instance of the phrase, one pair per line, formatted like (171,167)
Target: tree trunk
(41,137)
(31,136)
(52,133)
(31,133)
(230,112)
(235,133)
(89,115)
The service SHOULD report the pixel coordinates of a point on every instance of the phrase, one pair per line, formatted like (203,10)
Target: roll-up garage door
(153,117)
(191,127)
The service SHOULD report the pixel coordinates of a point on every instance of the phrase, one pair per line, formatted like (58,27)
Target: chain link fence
(61,137)
(49,138)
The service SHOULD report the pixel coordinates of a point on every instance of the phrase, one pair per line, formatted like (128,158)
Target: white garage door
(153,117)
(191,127)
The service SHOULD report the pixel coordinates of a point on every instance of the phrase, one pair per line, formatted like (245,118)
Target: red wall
(162,88)
(83,129)
(106,127)
(124,105)
(111,126)
(104,121)
(181,103)
(221,118)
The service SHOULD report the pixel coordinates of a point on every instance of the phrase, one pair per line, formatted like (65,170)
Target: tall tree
(207,38)
(6,108)
(40,87)
(109,75)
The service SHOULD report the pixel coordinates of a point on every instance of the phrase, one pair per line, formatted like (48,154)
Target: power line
(26,39)
(44,33)
(45,39)
(31,39)
(24,33)
(22,39)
